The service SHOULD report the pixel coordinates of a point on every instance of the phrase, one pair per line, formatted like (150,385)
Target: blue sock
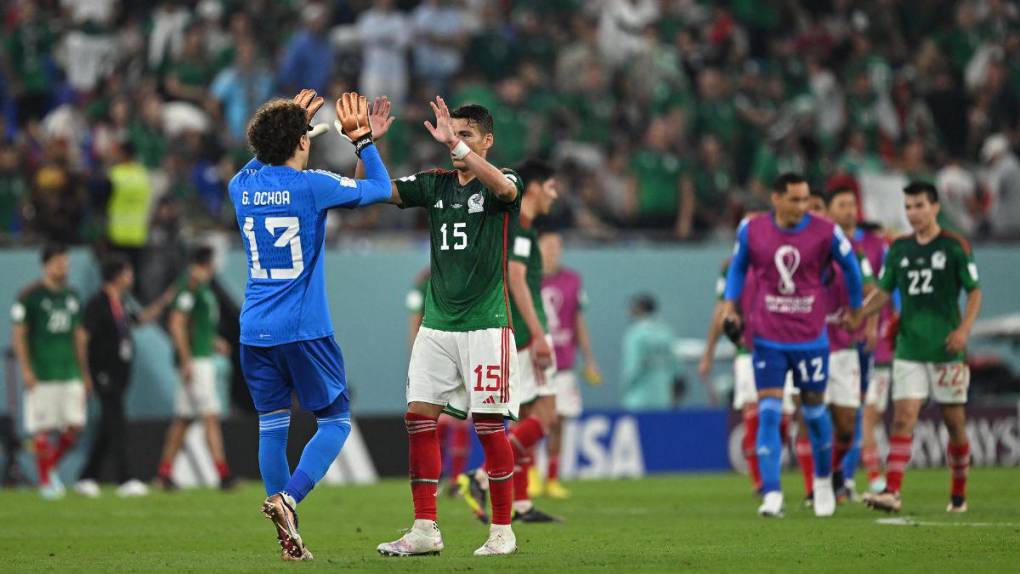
(273,429)
(853,456)
(769,444)
(819,424)
(319,453)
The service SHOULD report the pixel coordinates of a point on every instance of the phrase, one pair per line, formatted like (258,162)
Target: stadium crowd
(125,120)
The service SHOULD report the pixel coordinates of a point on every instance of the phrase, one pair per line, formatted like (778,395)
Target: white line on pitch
(909,522)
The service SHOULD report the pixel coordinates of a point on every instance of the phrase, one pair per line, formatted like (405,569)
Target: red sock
(749,445)
(872,462)
(526,434)
(425,464)
(784,430)
(166,468)
(806,463)
(499,464)
(552,471)
(896,464)
(460,448)
(64,444)
(43,458)
(522,465)
(958,457)
(222,469)
(839,449)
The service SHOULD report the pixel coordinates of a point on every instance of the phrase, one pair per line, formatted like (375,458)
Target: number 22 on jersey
(290,236)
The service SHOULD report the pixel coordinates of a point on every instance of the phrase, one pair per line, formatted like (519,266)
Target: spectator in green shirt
(665,192)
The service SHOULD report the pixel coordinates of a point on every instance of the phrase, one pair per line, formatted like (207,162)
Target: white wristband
(460,151)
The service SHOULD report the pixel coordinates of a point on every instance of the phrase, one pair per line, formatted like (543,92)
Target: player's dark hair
(535,170)
(275,130)
(919,187)
(831,196)
(644,303)
(475,114)
(113,265)
(784,181)
(51,250)
(201,255)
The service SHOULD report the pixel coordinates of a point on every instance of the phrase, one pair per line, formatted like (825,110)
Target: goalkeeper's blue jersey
(282,216)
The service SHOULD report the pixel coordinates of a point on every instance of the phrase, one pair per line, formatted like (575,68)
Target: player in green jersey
(462,360)
(194,320)
(929,268)
(50,347)
(535,390)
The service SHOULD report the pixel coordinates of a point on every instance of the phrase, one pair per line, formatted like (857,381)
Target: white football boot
(501,541)
(87,488)
(423,539)
(772,505)
(825,498)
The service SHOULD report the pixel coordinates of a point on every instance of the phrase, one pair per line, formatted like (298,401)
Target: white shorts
(55,406)
(947,382)
(465,371)
(568,394)
(534,382)
(199,397)
(878,388)
(844,386)
(745,392)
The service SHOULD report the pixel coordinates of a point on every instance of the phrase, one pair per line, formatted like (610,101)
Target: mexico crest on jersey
(938,260)
(476,203)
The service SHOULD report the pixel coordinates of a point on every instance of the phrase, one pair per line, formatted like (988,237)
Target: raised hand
(380,118)
(310,102)
(443,130)
(352,116)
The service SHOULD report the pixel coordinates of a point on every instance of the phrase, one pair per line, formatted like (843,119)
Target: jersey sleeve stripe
(958,238)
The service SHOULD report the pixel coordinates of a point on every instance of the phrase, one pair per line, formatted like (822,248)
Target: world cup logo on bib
(787,260)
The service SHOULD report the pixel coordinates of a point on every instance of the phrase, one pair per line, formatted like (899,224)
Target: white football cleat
(501,541)
(772,505)
(56,483)
(132,488)
(878,485)
(423,539)
(825,498)
(87,488)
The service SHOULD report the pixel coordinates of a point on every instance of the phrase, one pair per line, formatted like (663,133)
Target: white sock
(426,526)
(500,529)
(523,506)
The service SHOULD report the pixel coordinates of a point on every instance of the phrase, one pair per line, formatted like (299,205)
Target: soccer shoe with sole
(285,555)
(555,489)
(536,516)
(423,539)
(957,504)
(132,488)
(772,505)
(535,487)
(474,495)
(48,492)
(501,541)
(279,509)
(887,501)
(87,488)
(825,498)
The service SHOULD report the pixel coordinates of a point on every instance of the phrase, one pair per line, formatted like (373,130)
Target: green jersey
(50,318)
(525,250)
(199,304)
(929,278)
(469,229)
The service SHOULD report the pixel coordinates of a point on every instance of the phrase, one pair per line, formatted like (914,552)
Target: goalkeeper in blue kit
(287,340)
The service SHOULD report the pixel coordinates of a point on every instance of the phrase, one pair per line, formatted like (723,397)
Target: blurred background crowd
(123,121)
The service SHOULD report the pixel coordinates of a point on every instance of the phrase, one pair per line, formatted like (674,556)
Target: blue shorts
(867,362)
(313,369)
(810,367)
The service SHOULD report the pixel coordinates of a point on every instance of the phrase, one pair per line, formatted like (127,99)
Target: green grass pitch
(663,524)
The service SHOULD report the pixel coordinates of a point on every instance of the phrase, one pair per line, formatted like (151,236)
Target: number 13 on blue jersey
(290,236)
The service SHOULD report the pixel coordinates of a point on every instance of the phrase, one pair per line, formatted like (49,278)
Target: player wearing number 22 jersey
(929,268)
(286,338)
(789,251)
